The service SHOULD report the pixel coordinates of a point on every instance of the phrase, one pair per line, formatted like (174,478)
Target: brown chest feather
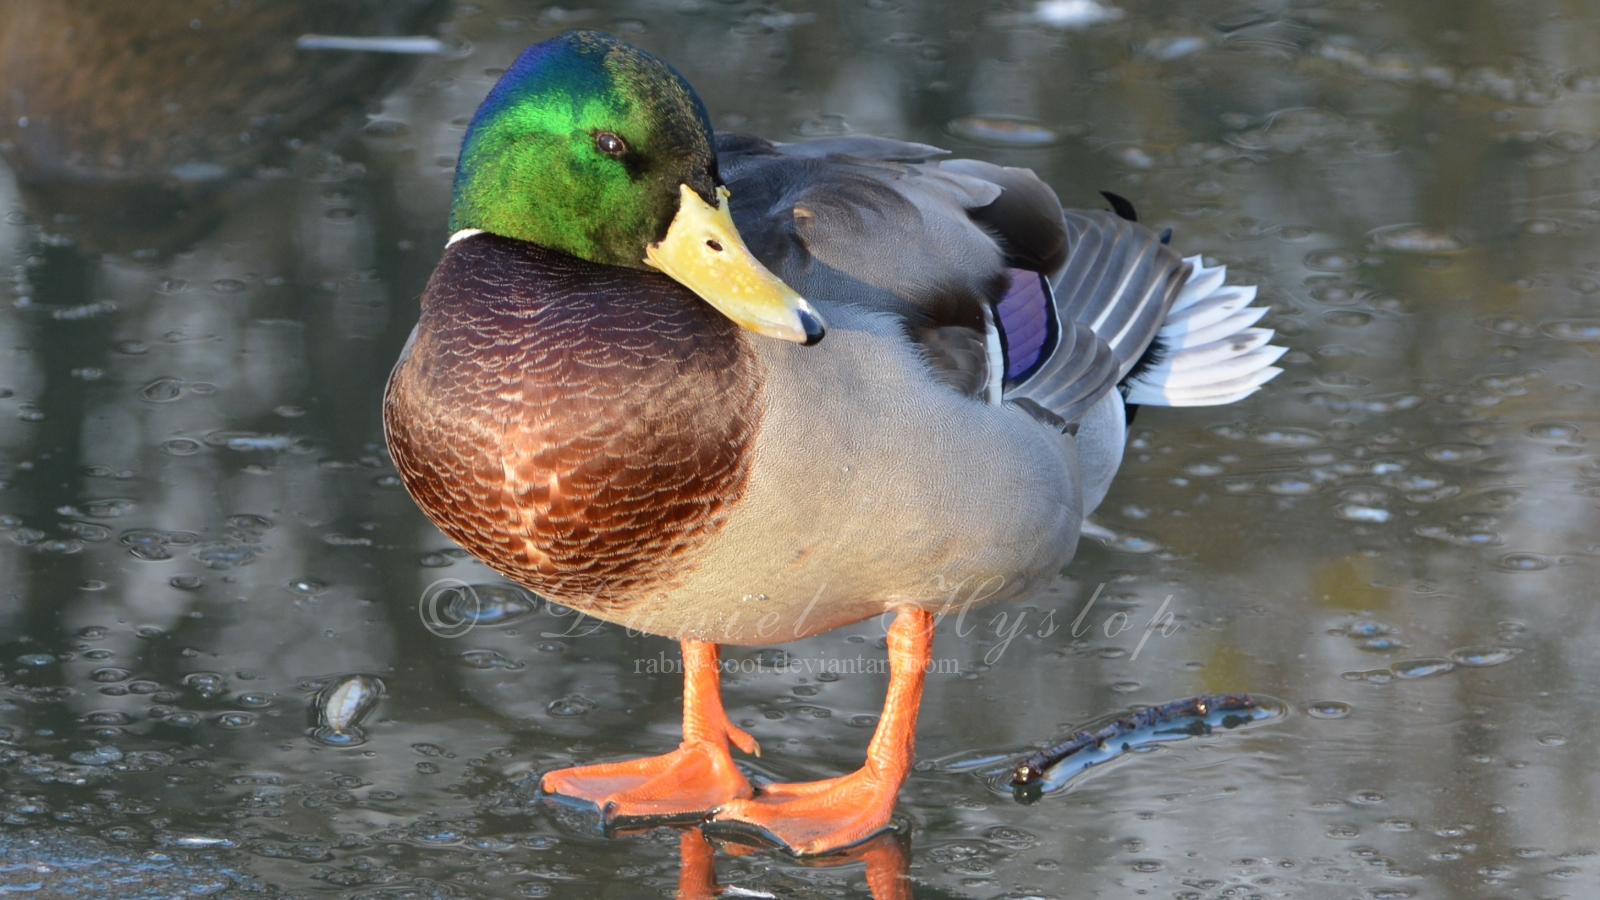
(580,428)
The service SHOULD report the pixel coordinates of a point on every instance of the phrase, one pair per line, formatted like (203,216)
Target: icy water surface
(1397,538)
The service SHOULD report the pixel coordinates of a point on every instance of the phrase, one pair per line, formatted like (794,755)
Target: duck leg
(822,816)
(697,777)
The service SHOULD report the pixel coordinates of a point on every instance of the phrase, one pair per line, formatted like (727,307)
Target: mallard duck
(733,391)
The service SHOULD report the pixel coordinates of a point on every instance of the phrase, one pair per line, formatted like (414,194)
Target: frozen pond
(1399,538)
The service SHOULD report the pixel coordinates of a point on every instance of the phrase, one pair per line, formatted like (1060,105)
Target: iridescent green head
(598,149)
(581,147)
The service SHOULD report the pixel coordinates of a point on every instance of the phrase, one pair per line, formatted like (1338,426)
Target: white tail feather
(1213,355)
(1222,303)
(1202,281)
(1230,367)
(1206,354)
(1204,394)
(1233,324)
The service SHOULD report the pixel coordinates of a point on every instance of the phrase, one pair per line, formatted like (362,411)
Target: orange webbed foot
(687,783)
(819,816)
(824,816)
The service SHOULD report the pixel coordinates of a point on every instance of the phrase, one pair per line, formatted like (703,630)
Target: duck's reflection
(130,125)
(887,857)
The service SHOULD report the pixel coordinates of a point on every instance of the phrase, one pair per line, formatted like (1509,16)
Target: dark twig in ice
(1031,770)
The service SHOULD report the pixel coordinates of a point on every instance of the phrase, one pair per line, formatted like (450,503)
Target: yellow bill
(703,252)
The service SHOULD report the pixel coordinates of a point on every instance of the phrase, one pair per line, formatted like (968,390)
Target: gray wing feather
(1025,218)
(1075,377)
(1120,280)
(1112,295)
(882,234)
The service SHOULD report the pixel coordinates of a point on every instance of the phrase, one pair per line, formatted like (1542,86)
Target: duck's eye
(610,144)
